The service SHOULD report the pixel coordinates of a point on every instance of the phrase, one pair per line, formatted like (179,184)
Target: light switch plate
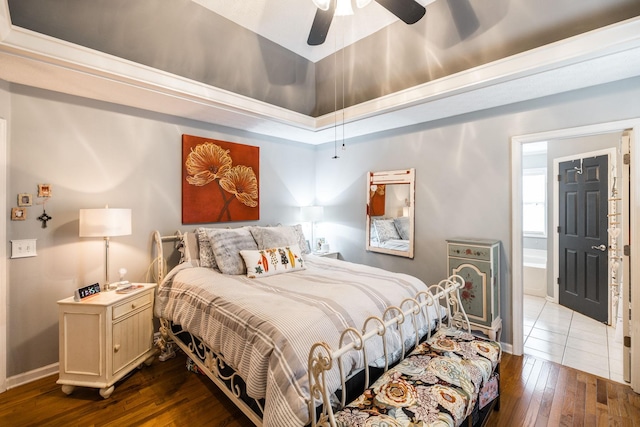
(23,248)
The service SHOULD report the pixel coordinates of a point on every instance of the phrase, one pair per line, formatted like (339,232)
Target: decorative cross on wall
(44,218)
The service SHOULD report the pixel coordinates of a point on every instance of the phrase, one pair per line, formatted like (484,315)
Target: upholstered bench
(438,383)
(449,378)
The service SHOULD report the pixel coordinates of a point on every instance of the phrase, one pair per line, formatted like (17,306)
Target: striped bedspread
(265,327)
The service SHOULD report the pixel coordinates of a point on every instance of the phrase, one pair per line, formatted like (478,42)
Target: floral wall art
(220,181)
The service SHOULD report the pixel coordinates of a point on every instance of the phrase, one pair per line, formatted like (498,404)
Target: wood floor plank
(558,399)
(579,408)
(547,397)
(591,418)
(166,394)
(535,382)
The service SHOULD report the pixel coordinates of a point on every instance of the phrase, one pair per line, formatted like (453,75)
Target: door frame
(516,228)
(611,153)
(3,257)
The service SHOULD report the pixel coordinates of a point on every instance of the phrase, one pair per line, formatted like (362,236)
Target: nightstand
(104,337)
(334,255)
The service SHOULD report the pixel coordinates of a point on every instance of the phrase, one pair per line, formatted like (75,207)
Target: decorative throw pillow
(189,249)
(268,262)
(386,230)
(227,244)
(273,237)
(293,234)
(206,253)
(402,225)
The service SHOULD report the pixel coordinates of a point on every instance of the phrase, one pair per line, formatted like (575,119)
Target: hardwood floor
(534,392)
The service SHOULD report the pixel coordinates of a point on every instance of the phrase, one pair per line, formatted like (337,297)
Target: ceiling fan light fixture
(322,4)
(343,8)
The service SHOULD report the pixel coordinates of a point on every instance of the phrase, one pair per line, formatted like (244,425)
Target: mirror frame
(404,176)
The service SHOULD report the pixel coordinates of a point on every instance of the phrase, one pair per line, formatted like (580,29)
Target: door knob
(600,248)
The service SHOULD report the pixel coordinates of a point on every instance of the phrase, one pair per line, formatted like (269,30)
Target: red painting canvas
(220,181)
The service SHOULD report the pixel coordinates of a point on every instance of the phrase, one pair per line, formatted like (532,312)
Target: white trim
(3,257)
(516,230)
(612,159)
(517,319)
(634,204)
(36,374)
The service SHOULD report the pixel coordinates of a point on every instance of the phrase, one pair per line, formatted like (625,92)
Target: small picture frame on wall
(44,190)
(25,199)
(18,214)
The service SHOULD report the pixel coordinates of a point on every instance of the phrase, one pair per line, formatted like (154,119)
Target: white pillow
(268,262)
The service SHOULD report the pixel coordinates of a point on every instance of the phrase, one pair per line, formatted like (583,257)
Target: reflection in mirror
(390,212)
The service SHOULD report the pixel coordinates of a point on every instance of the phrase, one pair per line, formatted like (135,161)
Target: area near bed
(263,327)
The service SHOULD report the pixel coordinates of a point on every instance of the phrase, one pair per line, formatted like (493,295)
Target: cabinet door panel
(132,337)
(82,341)
(475,296)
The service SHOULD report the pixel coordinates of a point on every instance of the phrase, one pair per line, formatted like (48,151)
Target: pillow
(273,237)
(386,230)
(205,252)
(280,235)
(303,244)
(189,249)
(227,244)
(268,262)
(402,225)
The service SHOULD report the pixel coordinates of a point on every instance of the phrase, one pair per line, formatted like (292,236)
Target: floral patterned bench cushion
(437,384)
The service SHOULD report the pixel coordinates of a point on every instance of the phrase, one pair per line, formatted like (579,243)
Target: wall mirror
(390,212)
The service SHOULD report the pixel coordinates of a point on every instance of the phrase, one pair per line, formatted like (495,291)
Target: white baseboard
(506,347)
(36,374)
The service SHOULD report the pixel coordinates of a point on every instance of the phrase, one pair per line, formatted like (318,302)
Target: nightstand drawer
(131,305)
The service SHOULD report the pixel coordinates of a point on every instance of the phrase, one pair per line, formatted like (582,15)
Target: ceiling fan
(409,11)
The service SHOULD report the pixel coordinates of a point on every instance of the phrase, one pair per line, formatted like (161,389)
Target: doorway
(517,240)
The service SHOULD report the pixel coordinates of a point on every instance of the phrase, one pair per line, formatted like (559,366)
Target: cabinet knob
(116,348)
(133,305)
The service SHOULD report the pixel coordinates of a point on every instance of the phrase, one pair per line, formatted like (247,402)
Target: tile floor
(556,333)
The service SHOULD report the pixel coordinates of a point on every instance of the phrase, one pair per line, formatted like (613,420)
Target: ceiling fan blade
(464,17)
(409,11)
(320,26)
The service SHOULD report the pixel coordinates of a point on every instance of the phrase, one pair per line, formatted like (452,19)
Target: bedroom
(94,152)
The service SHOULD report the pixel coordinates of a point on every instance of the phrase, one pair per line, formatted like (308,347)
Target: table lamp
(312,214)
(105,223)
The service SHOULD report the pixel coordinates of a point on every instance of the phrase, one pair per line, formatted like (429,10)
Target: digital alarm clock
(86,292)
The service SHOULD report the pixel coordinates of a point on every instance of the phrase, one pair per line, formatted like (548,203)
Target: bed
(251,332)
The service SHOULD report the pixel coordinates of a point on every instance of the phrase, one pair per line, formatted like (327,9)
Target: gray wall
(463,173)
(95,153)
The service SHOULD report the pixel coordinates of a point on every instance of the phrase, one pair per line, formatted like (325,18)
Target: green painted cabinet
(478,262)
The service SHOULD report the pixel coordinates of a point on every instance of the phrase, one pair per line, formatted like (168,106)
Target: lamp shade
(322,4)
(105,222)
(311,213)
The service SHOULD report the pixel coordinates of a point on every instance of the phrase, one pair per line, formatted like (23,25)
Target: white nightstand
(104,337)
(334,255)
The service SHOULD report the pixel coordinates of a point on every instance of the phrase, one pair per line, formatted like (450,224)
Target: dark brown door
(583,239)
